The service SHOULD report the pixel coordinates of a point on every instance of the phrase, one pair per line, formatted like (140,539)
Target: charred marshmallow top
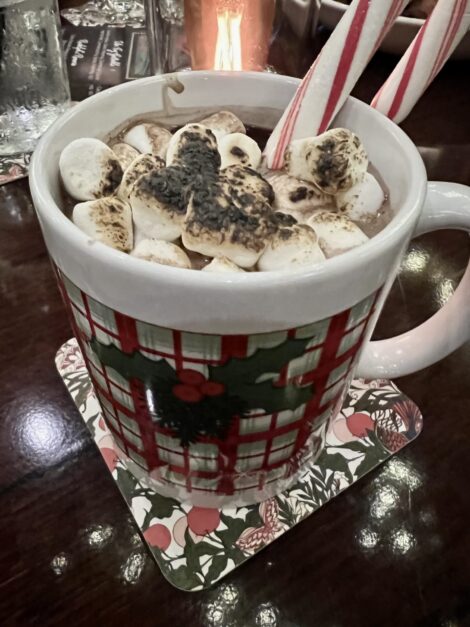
(205,189)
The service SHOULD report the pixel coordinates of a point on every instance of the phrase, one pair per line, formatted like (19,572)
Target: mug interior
(259,99)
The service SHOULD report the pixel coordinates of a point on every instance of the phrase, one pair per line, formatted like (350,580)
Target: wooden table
(393,550)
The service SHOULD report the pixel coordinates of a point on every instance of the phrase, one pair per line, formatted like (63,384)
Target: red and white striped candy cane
(333,74)
(425,56)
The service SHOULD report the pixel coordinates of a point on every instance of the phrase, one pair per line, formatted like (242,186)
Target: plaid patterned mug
(218,388)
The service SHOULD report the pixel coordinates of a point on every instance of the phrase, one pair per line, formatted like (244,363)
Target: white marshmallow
(221,264)
(293,246)
(222,123)
(194,146)
(158,201)
(297,198)
(149,138)
(216,226)
(336,233)
(125,154)
(89,169)
(243,180)
(141,165)
(108,220)
(159,251)
(362,201)
(239,148)
(334,161)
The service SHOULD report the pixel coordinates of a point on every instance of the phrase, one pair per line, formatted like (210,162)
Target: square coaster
(194,546)
(14,167)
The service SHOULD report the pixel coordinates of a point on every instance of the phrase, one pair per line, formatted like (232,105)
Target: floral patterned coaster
(14,167)
(194,546)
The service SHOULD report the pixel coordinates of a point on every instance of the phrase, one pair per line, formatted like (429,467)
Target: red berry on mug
(187,393)
(212,388)
(191,377)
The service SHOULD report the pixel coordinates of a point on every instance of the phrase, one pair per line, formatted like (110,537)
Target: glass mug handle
(447,206)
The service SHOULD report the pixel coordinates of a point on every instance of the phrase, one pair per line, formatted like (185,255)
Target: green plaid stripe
(279,455)
(317,331)
(265,340)
(350,339)
(360,311)
(102,314)
(151,336)
(303,364)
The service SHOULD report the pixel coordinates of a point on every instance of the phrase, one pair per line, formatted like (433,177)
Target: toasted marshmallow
(223,123)
(239,148)
(336,233)
(292,246)
(89,169)
(296,198)
(216,226)
(362,201)
(162,252)
(334,161)
(195,147)
(247,185)
(149,138)
(125,154)
(221,264)
(108,220)
(142,165)
(158,201)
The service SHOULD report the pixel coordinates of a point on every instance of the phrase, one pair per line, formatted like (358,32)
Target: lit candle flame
(229,34)
(228,48)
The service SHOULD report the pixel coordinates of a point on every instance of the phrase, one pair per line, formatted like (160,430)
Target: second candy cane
(425,56)
(333,74)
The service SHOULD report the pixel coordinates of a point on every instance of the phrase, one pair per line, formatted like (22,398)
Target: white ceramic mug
(218,386)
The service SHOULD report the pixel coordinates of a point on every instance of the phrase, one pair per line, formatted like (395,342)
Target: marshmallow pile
(163,197)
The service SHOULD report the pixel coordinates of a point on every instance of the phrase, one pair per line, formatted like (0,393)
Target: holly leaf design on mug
(191,404)
(266,394)
(133,365)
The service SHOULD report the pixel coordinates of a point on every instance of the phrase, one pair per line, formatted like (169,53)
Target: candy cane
(333,74)
(424,58)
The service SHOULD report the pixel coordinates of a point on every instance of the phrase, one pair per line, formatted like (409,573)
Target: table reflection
(133,567)
(384,501)
(444,291)
(222,609)
(391,524)
(60,563)
(403,472)
(402,541)
(367,538)
(415,261)
(41,434)
(267,615)
(98,536)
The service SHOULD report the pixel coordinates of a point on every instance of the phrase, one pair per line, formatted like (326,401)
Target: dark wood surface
(343,567)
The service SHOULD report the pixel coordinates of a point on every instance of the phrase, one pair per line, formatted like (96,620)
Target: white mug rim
(367,252)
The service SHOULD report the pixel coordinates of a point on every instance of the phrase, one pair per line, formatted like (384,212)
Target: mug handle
(447,206)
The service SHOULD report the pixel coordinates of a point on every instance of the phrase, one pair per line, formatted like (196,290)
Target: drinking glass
(34,88)
(99,12)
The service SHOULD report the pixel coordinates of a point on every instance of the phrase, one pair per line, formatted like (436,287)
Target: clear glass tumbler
(34,88)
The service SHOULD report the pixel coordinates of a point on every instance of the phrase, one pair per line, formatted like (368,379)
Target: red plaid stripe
(129,343)
(259,445)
